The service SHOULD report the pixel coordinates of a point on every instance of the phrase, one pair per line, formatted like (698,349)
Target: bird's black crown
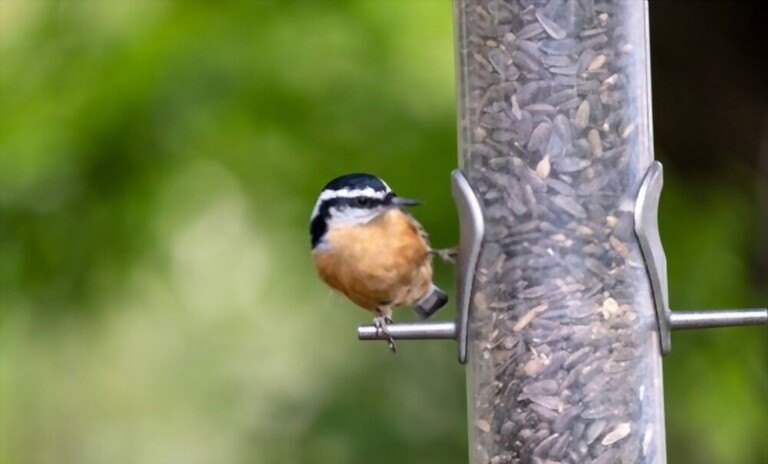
(357,181)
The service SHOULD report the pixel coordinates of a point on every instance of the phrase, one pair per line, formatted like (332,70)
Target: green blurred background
(158,163)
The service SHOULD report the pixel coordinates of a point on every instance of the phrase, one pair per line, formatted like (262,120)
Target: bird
(366,246)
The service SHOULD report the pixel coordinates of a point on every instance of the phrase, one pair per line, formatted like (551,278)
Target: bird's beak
(400,201)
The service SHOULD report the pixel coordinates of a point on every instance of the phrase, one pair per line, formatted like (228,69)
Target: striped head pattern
(351,200)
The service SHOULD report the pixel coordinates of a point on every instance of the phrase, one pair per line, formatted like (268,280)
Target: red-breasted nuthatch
(366,246)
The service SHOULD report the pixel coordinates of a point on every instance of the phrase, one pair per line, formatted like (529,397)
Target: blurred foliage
(158,161)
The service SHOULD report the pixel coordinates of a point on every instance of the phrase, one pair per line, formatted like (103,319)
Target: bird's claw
(449,255)
(381,324)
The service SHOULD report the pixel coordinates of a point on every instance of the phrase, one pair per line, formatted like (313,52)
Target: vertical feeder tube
(555,138)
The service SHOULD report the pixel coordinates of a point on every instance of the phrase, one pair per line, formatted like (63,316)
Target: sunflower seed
(550,26)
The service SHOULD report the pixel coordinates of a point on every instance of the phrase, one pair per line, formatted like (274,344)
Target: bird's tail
(428,304)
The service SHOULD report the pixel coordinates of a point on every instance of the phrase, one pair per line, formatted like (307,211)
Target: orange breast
(383,263)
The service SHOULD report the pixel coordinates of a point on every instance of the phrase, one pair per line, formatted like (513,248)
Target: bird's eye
(363,202)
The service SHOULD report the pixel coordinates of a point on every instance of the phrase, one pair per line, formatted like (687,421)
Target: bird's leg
(381,321)
(448,255)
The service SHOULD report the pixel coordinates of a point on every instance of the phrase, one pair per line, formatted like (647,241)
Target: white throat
(348,217)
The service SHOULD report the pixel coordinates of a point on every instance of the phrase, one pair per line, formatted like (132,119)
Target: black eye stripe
(353,202)
(364,201)
(370,202)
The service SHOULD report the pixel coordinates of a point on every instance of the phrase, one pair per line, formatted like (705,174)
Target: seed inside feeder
(553,126)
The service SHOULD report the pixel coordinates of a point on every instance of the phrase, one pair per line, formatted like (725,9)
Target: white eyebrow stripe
(346,193)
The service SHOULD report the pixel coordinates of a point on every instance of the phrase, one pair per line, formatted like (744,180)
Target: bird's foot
(381,324)
(449,255)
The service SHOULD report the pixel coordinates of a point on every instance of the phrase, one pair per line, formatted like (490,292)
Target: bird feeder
(562,299)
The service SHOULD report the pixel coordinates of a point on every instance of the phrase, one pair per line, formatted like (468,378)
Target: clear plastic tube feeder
(555,139)
(562,302)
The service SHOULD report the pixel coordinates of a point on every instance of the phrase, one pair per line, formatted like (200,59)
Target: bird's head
(351,200)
